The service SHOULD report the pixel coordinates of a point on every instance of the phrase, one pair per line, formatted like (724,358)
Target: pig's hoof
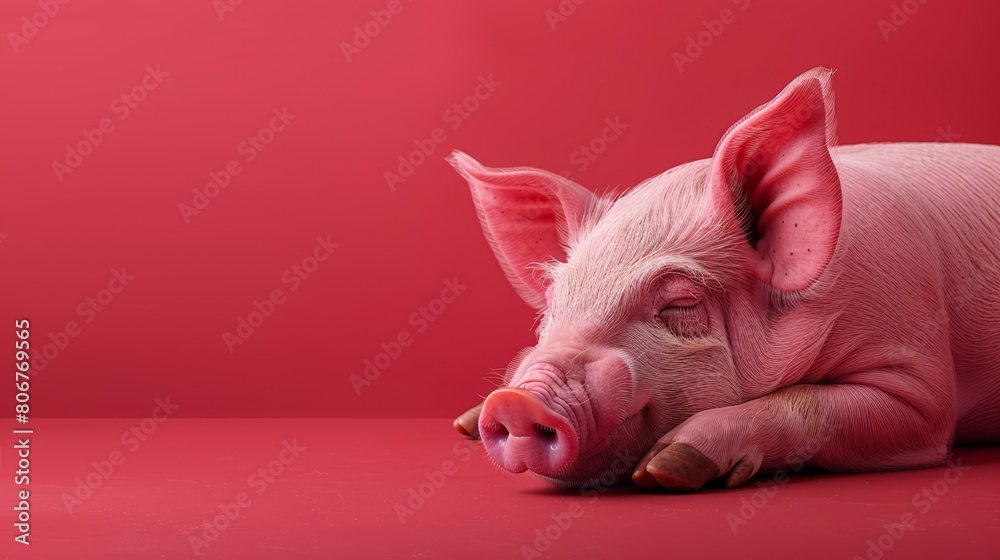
(468,423)
(676,467)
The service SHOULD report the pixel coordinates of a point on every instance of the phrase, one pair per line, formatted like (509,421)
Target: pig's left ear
(529,216)
(774,169)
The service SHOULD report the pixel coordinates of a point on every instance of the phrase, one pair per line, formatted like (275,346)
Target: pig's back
(952,192)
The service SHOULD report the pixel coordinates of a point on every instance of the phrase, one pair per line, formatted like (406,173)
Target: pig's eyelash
(650,280)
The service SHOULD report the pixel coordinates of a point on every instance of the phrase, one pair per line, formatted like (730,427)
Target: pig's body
(912,285)
(916,276)
(785,302)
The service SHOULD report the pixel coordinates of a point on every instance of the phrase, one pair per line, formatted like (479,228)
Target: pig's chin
(610,462)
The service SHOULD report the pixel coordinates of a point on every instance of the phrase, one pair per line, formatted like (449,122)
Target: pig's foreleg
(468,423)
(843,426)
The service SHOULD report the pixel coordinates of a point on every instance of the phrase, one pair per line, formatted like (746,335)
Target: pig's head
(646,300)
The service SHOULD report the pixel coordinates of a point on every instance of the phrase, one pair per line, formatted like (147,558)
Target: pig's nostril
(496,429)
(547,436)
(545,431)
(496,432)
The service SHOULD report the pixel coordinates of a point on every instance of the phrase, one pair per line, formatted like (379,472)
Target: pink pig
(785,302)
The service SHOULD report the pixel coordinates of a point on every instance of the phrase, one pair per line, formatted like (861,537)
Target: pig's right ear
(775,170)
(529,216)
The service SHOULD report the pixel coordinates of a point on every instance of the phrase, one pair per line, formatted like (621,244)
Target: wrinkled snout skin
(784,303)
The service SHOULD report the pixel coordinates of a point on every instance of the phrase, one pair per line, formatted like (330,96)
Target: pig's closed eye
(685,317)
(683,303)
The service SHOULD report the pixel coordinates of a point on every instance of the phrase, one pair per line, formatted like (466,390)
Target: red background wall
(323,174)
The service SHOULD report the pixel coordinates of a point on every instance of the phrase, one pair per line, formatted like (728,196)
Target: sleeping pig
(721,317)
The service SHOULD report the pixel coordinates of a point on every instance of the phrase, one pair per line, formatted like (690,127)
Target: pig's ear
(529,216)
(774,169)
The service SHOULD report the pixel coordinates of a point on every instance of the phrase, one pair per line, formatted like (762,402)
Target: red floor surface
(413,489)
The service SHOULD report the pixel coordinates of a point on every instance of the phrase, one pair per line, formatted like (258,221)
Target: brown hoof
(677,467)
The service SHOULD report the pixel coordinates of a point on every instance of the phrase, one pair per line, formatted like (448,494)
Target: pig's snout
(521,432)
